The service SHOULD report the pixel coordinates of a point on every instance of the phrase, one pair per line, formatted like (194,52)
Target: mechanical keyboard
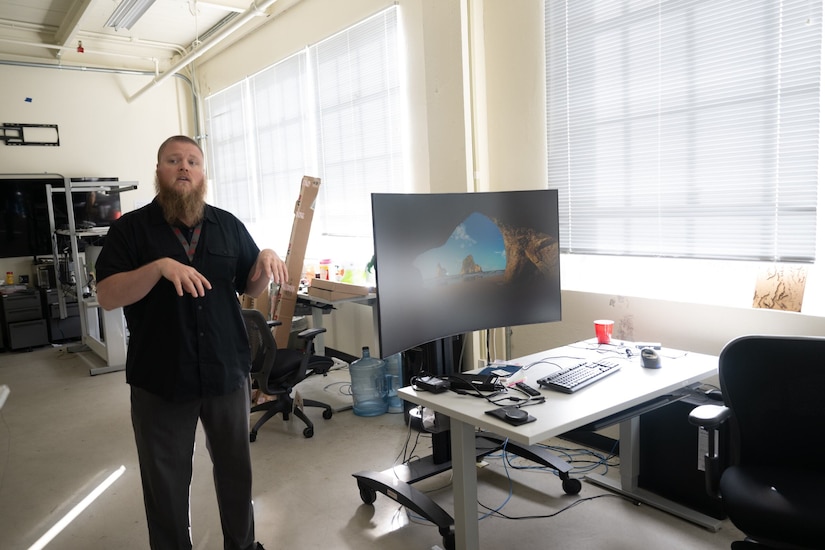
(583,374)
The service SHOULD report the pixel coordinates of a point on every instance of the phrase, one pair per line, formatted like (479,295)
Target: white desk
(631,386)
(104,332)
(318,315)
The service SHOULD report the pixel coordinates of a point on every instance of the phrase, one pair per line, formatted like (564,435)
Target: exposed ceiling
(74,32)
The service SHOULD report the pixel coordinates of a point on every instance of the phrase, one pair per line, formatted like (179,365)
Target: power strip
(431,384)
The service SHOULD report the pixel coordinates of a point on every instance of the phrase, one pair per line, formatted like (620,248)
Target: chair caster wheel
(571,486)
(327,414)
(367,495)
(308,432)
(253,436)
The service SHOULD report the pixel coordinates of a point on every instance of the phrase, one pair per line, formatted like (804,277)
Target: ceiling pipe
(253,11)
(60,49)
(99,37)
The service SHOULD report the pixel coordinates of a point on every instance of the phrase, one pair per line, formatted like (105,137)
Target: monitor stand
(396,482)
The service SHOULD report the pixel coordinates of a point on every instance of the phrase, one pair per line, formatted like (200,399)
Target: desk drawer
(23,314)
(71,310)
(28,334)
(23,300)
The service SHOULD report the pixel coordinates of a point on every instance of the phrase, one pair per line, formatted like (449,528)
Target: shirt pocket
(221,261)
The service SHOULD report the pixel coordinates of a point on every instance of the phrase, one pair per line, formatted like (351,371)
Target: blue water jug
(394,381)
(368,378)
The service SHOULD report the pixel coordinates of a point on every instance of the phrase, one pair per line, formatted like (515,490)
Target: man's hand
(271,266)
(268,267)
(127,287)
(186,278)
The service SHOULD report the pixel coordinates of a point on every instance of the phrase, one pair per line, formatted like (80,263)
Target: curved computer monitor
(452,263)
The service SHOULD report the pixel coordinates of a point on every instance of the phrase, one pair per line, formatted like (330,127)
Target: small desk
(561,413)
(104,332)
(319,304)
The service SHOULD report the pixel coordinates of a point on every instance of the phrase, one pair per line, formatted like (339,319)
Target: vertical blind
(685,128)
(358,104)
(331,111)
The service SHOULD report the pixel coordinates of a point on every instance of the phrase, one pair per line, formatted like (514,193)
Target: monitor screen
(453,263)
(25,227)
(90,208)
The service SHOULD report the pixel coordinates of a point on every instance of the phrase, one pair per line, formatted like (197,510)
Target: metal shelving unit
(103,332)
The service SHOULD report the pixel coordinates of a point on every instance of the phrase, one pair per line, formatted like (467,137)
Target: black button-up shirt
(181,347)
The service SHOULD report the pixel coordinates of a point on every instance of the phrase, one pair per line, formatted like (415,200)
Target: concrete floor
(63,432)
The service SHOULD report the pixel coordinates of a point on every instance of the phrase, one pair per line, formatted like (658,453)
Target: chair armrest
(274,323)
(709,417)
(311,333)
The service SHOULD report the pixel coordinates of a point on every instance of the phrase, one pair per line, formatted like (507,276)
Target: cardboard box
(332,290)
(281,307)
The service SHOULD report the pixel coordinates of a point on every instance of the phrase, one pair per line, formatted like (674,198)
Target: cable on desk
(552,361)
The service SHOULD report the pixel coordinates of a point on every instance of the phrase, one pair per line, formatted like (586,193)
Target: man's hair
(179,139)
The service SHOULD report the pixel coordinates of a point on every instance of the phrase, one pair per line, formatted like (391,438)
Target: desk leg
(465,488)
(114,336)
(318,322)
(629,471)
(628,483)
(376,343)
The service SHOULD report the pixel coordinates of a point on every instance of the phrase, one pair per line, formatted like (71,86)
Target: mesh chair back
(262,347)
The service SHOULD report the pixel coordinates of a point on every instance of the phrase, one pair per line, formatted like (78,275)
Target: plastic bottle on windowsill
(324,268)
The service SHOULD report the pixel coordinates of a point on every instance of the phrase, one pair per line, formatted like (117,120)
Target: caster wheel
(327,414)
(308,432)
(571,486)
(253,436)
(367,495)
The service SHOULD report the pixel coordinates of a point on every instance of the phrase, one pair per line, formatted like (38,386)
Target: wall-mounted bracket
(12,133)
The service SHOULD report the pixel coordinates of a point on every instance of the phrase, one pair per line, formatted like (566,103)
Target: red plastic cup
(604,330)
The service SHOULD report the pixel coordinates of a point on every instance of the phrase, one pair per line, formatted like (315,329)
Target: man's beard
(181,207)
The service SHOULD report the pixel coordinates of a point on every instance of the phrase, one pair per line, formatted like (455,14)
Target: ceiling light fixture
(128,13)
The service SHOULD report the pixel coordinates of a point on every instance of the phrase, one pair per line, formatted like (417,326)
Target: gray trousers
(165,438)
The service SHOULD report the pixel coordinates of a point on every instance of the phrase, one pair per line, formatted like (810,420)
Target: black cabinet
(671,458)
(60,330)
(22,320)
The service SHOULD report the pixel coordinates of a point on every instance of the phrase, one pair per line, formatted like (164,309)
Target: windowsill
(710,282)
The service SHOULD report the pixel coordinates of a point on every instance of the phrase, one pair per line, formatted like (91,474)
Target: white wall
(515,114)
(477,122)
(432,74)
(700,328)
(101,132)
(435,86)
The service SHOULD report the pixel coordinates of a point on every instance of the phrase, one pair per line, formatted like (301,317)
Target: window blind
(358,100)
(227,147)
(685,128)
(331,111)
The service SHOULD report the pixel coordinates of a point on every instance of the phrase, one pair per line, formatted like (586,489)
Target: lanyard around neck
(189,246)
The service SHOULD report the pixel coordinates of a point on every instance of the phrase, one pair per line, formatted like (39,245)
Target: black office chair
(770,476)
(275,372)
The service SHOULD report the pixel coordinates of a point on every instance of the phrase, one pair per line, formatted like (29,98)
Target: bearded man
(177,266)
